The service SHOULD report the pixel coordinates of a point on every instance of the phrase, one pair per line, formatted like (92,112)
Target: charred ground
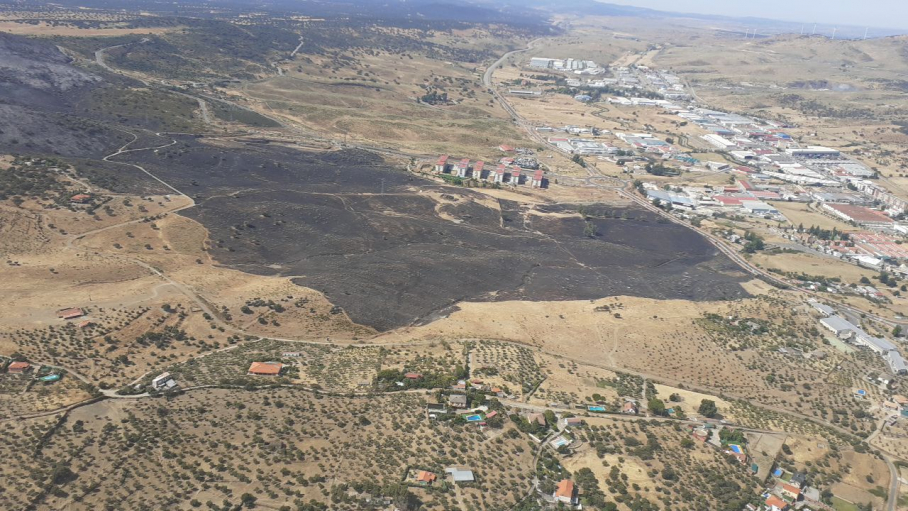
(389,249)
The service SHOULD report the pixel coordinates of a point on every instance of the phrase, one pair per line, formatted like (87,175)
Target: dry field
(674,343)
(372,99)
(61,29)
(799,213)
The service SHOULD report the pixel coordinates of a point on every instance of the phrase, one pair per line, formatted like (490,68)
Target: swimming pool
(596,408)
(735,448)
(474,418)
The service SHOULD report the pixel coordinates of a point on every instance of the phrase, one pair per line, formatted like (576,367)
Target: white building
(477,169)
(718,141)
(813,152)
(163,382)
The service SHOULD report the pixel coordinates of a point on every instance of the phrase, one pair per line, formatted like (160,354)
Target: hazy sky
(875,13)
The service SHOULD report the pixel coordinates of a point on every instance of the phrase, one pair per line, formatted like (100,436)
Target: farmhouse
(265,368)
(571,422)
(18,367)
(565,492)
(71,313)
(629,408)
(163,382)
(425,478)
(538,418)
(515,176)
(791,491)
(774,503)
(458,400)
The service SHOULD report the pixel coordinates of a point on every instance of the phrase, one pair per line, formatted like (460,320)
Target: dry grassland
(46,29)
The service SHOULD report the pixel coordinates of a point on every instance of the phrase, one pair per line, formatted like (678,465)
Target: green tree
(656,406)
(708,408)
(248,500)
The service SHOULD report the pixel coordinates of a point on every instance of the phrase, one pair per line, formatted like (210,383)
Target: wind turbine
(865,32)
(802,29)
(812,32)
(833,32)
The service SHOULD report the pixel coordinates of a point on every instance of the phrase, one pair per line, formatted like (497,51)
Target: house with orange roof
(425,478)
(70,313)
(776,504)
(538,418)
(565,492)
(791,491)
(265,369)
(18,367)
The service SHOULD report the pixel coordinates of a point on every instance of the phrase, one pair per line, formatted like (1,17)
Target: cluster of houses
(846,330)
(786,495)
(506,172)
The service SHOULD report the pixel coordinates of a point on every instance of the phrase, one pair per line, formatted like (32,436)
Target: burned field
(392,249)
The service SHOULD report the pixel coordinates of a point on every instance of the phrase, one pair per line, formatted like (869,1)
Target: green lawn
(843,505)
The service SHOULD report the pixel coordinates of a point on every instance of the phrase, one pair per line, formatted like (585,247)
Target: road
(99,59)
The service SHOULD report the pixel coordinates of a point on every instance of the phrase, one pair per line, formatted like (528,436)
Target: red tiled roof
(538,175)
(565,489)
(776,501)
(80,197)
(426,476)
(491,414)
(18,366)
(794,490)
(265,368)
(477,167)
(413,376)
(70,313)
(442,160)
(506,148)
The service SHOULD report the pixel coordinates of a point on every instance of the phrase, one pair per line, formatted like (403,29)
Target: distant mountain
(770,26)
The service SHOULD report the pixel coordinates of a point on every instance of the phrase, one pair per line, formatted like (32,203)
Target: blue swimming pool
(596,408)
(474,418)
(735,448)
